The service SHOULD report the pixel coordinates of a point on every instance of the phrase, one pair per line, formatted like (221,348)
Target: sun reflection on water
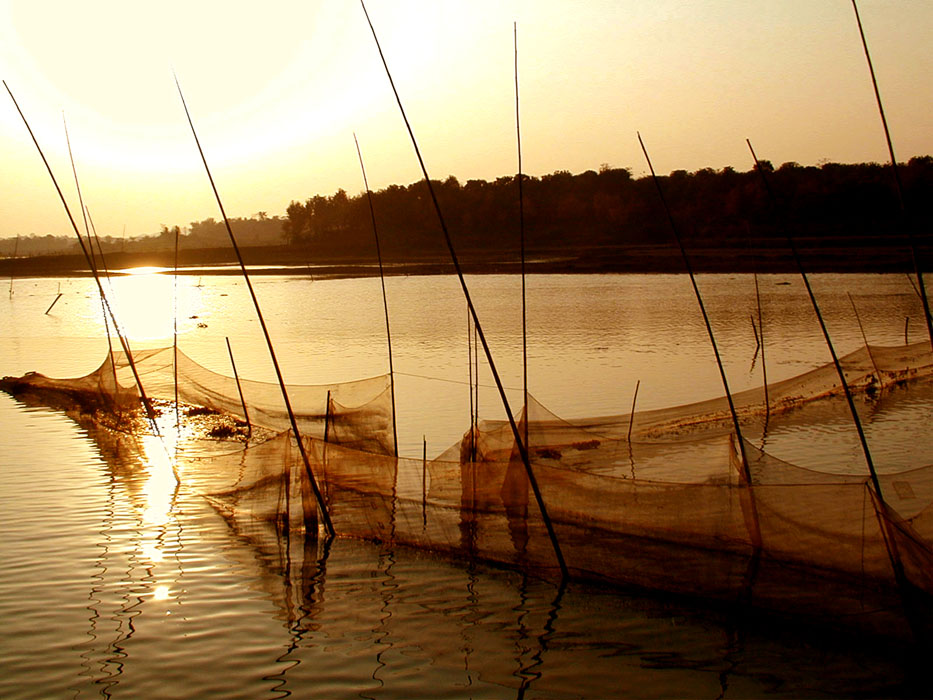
(161,483)
(144,300)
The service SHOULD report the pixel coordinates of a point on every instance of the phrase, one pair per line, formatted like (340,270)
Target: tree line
(258,230)
(567,214)
(592,210)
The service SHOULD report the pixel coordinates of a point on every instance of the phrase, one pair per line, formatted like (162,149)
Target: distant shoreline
(835,256)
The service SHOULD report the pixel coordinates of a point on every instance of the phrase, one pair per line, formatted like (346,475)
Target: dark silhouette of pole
(175,340)
(86,215)
(103,262)
(891,545)
(236,376)
(760,336)
(897,180)
(87,256)
(521,229)
(709,328)
(265,331)
(819,316)
(520,443)
(385,302)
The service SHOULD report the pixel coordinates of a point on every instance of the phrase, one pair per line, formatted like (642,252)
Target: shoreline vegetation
(849,255)
(844,218)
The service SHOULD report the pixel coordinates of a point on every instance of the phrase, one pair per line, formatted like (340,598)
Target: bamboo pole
(236,376)
(476,388)
(385,302)
(861,329)
(15,251)
(424,480)
(890,543)
(327,417)
(897,180)
(709,328)
(521,228)
(175,340)
(755,528)
(832,350)
(87,256)
(631,417)
(103,262)
(86,215)
(54,302)
(760,337)
(87,232)
(466,293)
(470,371)
(265,331)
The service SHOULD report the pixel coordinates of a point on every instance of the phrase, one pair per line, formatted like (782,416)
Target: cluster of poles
(520,434)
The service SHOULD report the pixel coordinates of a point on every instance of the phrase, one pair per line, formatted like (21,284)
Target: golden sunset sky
(276,90)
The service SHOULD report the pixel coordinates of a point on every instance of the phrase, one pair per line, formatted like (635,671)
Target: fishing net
(357,412)
(659,499)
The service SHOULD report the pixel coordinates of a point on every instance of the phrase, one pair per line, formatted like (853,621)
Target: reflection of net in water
(668,509)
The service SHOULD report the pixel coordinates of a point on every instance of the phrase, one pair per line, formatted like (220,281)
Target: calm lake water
(115,583)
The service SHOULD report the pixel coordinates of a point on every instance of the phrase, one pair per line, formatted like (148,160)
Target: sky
(277,90)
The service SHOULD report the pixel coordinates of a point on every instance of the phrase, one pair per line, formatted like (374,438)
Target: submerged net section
(800,541)
(669,509)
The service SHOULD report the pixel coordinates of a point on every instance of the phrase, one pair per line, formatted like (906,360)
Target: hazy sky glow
(277,89)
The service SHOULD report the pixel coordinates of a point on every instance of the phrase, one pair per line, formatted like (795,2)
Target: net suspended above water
(657,500)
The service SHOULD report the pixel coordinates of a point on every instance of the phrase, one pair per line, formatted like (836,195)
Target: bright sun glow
(143,300)
(143,270)
(277,90)
(160,487)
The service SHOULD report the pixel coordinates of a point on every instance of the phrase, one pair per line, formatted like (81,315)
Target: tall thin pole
(265,331)
(761,343)
(86,216)
(87,256)
(819,316)
(897,180)
(424,480)
(87,232)
(631,416)
(893,554)
(175,340)
(521,229)
(476,377)
(15,251)
(55,300)
(385,302)
(479,331)
(709,328)
(103,262)
(470,371)
(861,328)
(236,376)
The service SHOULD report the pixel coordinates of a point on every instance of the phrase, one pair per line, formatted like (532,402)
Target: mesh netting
(359,412)
(668,509)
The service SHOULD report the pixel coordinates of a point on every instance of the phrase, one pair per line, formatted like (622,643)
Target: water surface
(115,582)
